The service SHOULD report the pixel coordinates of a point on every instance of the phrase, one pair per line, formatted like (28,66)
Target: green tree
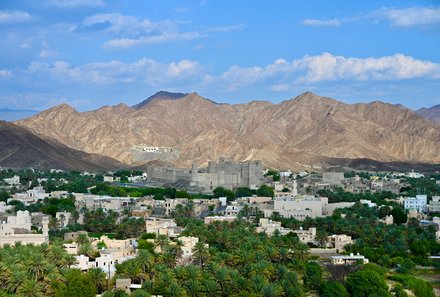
(399,216)
(367,283)
(313,275)
(222,192)
(333,289)
(77,284)
(265,191)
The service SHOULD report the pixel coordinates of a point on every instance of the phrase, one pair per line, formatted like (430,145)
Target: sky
(90,53)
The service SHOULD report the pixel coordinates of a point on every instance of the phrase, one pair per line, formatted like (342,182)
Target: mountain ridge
(301,130)
(20,148)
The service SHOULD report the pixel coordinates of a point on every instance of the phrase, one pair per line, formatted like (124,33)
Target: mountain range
(296,133)
(19,148)
(432,113)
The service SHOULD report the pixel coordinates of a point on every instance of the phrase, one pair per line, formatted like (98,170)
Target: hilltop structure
(226,174)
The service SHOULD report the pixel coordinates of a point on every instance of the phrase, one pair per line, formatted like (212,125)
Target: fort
(223,173)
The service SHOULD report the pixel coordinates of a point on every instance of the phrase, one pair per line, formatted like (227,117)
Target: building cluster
(223,173)
(18,228)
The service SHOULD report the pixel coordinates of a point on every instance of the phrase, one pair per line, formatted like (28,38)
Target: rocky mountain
(432,114)
(19,148)
(161,95)
(296,133)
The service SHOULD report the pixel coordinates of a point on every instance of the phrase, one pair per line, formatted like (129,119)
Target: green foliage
(244,192)
(4,195)
(313,275)
(222,192)
(421,288)
(367,283)
(399,291)
(265,191)
(399,216)
(27,270)
(339,195)
(275,175)
(130,228)
(333,289)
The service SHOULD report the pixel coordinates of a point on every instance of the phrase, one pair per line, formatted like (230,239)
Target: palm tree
(16,280)
(175,290)
(200,253)
(37,266)
(161,241)
(145,260)
(222,277)
(271,290)
(210,287)
(5,273)
(30,288)
(98,277)
(193,287)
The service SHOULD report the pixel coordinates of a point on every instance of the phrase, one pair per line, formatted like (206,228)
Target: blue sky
(90,53)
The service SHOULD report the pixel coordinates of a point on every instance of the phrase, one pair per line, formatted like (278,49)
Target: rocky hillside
(19,148)
(299,132)
(432,114)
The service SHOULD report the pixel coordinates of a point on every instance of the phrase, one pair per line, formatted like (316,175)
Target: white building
(300,207)
(348,259)
(418,203)
(434,205)
(12,181)
(64,218)
(413,174)
(31,196)
(4,207)
(18,229)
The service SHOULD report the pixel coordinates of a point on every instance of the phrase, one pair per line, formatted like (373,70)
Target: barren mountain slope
(303,130)
(432,113)
(21,149)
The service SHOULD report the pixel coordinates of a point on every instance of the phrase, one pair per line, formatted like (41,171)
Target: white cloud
(76,3)
(14,17)
(321,23)
(5,73)
(410,17)
(164,37)
(144,71)
(131,31)
(279,88)
(327,67)
(123,24)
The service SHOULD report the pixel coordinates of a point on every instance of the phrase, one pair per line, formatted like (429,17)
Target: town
(114,227)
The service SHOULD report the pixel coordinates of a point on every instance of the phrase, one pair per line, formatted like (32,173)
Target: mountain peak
(63,107)
(161,95)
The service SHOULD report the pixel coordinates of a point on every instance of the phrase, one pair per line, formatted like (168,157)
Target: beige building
(18,229)
(339,241)
(117,248)
(105,202)
(64,218)
(160,226)
(71,248)
(306,236)
(434,205)
(270,227)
